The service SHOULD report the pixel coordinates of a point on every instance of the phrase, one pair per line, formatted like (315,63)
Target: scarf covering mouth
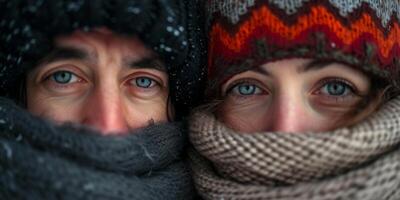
(361,162)
(40,160)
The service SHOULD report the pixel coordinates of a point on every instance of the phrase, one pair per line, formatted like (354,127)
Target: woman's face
(292,95)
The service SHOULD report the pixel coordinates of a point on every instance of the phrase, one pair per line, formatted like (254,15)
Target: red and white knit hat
(361,33)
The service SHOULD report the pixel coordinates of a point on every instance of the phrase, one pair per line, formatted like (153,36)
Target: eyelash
(237,83)
(65,79)
(348,84)
(154,82)
(320,85)
(50,77)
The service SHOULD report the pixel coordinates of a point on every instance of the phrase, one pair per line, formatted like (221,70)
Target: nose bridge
(288,111)
(104,108)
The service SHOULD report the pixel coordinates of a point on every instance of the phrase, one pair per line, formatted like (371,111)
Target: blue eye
(336,88)
(246,89)
(63,77)
(144,82)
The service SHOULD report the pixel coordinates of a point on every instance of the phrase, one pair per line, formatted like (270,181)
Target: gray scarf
(361,162)
(39,160)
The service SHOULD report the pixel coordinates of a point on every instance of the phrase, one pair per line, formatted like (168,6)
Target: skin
(292,95)
(107,81)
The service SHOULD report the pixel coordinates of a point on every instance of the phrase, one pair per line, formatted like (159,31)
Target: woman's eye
(144,82)
(336,88)
(64,77)
(246,89)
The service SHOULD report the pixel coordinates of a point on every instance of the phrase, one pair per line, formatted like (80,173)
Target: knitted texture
(39,160)
(360,162)
(362,33)
(172,28)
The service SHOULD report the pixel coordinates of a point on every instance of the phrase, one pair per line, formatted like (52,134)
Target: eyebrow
(261,70)
(150,63)
(313,65)
(63,53)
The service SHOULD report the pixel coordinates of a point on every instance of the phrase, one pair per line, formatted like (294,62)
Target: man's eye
(246,89)
(64,77)
(145,82)
(336,88)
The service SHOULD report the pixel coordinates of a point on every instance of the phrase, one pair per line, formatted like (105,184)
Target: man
(87,89)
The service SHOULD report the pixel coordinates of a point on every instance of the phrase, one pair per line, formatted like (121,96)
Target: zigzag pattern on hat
(360,35)
(233,9)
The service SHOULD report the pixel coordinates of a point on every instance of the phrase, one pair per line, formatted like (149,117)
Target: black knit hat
(169,27)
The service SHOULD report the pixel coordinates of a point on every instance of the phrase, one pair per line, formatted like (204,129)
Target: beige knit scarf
(361,162)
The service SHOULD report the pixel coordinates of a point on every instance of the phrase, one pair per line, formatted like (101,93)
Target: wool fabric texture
(171,28)
(40,160)
(359,163)
(248,33)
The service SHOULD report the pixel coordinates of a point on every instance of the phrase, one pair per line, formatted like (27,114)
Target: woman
(56,145)
(303,101)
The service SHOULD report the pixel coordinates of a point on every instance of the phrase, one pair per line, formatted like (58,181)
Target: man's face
(107,81)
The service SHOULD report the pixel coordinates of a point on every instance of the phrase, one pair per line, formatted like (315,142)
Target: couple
(300,100)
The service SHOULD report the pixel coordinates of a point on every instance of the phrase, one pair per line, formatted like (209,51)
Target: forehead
(102,42)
